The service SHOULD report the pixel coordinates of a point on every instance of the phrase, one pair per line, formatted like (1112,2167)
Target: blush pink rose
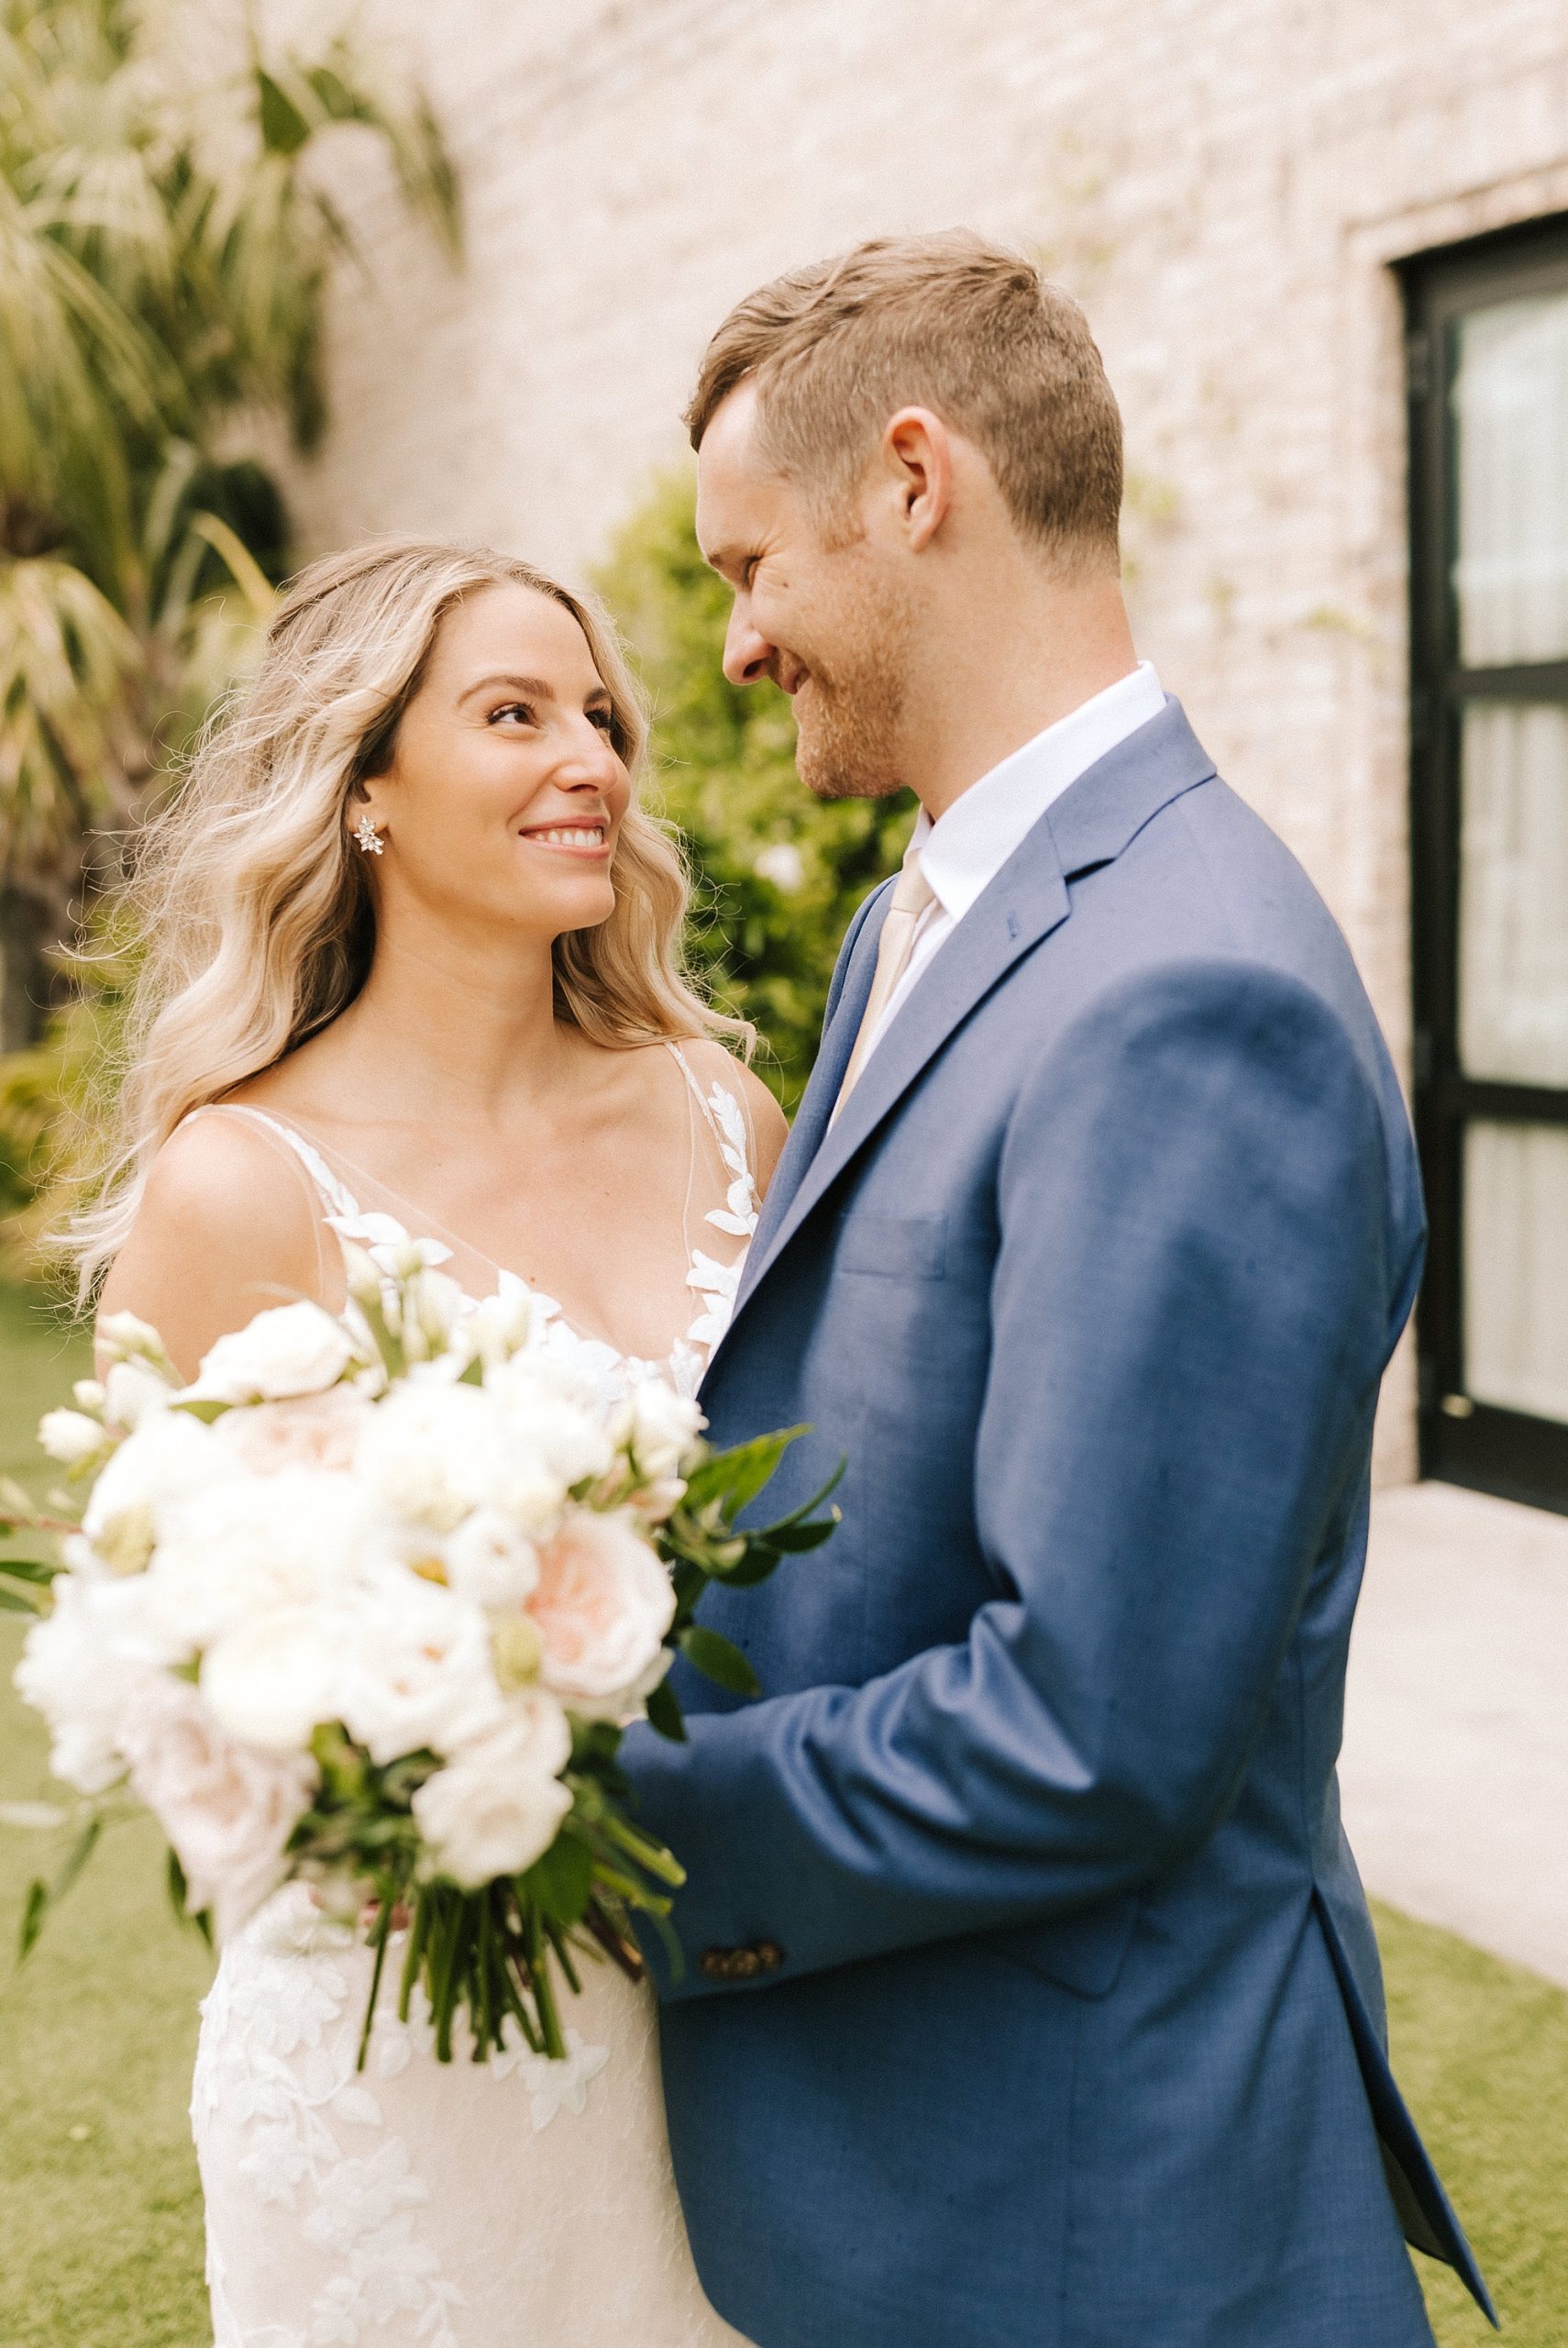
(310,1431)
(601,1606)
(228,1809)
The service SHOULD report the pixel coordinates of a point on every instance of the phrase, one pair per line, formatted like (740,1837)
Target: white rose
(658,1427)
(133,1392)
(170,1457)
(431,1451)
(420,1677)
(604,1604)
(292,1349)
(274,1679)
(489,1562)
(549,1424)
(71,1436)
(83,1667)
(227,1809)
(500,1806)
(249,1543)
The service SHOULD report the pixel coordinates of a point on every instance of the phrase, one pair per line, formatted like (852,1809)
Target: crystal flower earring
(370,839)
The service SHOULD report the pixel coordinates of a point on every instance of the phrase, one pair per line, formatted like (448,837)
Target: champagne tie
(911,895)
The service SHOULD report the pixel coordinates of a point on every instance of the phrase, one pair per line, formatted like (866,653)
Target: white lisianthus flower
(500,1805)
(71,1436)
(170,1457)
(291,1349)
(432,1306)
(120,1336)
(604,1604)
(658,1427)
(133,1392)
(502,1324)
(432,1452)
(90,1396)
(84,1667)
(227,1809)
(419,1677)
(275,1677)
(489,1562)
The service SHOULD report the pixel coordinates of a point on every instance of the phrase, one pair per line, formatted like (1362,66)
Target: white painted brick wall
(1222,182)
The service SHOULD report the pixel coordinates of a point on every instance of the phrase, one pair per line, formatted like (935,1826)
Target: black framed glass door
(1487,326)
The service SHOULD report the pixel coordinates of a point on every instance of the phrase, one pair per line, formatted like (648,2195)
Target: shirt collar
(962,851)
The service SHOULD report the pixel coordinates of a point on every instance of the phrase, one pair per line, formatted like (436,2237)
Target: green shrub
(780,876)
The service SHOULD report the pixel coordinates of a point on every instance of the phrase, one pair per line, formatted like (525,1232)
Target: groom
(1030,1997)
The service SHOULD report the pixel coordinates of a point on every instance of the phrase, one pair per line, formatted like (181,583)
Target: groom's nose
(748,655)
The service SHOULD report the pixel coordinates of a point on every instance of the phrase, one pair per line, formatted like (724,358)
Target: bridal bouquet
(369,1605)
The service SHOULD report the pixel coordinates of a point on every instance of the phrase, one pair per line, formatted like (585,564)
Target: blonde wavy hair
(251,913)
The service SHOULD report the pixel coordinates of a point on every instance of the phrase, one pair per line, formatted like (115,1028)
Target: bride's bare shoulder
(228,1223)
(766,1120)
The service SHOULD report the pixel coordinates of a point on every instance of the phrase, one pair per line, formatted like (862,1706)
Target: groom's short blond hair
(951,323)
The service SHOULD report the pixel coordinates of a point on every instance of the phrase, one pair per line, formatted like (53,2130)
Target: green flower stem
(544,1989)
(419,1935)
(383,1933)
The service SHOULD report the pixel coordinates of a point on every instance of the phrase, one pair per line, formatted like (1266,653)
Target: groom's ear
(917,454)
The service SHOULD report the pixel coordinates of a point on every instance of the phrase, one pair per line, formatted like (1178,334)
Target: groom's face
(819,609)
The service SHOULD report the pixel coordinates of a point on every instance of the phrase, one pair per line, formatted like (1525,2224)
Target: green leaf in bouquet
(179,1900)
(719,1659)
(17,1601)
(562,1880)
(798,1518)
(795,1539)
(34,1909)
(205,1407)
(664,1714)
(42,1897)
(16,1507)
(735,1477)
(37,1570)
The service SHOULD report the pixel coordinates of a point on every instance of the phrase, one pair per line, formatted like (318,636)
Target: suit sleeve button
(769,1956)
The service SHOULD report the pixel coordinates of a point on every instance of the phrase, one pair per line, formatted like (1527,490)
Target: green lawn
(99,2219)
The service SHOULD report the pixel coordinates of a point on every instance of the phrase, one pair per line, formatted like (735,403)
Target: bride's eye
(520,710)
(603,718)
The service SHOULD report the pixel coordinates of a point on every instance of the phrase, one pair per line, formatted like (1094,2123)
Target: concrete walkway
(1455,1765)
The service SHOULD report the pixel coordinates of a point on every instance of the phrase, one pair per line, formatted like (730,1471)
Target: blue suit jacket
(1067,2024)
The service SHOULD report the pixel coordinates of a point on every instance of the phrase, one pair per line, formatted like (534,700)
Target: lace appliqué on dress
(716,1284)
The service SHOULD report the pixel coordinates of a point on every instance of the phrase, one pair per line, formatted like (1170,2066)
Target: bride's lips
(588,842)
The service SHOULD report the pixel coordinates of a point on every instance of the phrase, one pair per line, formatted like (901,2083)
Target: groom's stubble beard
(850,714)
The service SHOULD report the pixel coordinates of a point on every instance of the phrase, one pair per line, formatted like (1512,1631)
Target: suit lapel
(826,1078)
(1090,824)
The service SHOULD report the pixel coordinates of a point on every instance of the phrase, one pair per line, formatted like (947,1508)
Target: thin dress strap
(336,1198)
(721,1110)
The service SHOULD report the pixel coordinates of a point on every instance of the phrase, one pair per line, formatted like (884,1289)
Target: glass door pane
(1513,893)
(1515,1267)
(1510,418)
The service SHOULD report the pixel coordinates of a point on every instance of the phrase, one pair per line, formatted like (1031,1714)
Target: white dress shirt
(963,851)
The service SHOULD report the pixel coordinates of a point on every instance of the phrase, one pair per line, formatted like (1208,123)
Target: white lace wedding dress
(517,2204)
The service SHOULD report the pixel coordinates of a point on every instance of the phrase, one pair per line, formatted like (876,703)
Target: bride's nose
(589,761)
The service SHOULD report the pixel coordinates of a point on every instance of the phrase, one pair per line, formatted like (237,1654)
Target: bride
(413,970)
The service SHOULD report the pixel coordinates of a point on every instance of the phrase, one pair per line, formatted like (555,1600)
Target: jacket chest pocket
(895,1246)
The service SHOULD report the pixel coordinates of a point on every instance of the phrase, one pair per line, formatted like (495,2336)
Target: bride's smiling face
(506,790)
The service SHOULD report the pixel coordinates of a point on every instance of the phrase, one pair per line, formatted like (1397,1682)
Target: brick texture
(1222,182)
